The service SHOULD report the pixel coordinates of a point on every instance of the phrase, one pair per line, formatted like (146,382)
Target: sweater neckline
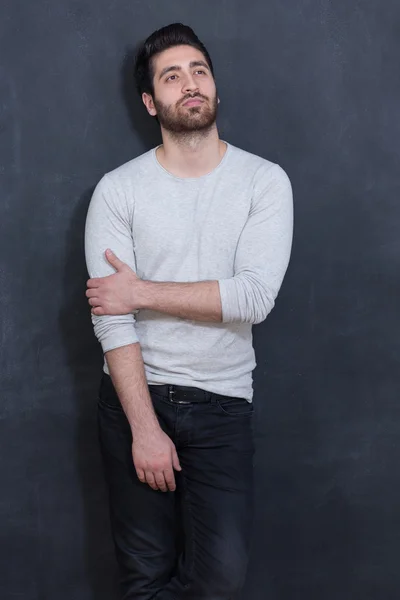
(191,179)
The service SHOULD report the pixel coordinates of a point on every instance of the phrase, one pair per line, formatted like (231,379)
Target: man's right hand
(155,458)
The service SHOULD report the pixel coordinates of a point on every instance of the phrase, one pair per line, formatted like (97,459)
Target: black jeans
(192,543)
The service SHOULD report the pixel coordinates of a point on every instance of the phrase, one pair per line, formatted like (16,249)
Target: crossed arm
(124,292)
(261,259)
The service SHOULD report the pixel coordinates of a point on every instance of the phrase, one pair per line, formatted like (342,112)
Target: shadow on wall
(143,125)
(85,361)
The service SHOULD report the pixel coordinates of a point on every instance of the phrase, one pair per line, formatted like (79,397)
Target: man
(200,233)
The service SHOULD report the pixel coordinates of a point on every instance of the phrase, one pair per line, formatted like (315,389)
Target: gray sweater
(233,225)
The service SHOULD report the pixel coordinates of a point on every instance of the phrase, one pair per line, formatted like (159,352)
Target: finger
(114,260)
(160,480)
(94,302)
(91,283)
(150,480)
(175,461)
(91,292)
(170,479)
(98,311)
(141,475)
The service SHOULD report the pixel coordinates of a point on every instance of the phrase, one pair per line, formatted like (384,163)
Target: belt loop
(213,398)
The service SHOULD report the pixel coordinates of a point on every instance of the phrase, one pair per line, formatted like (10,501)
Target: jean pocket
(107,396)
(235,407)
(104,404)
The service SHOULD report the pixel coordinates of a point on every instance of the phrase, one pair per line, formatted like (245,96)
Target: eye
(200,71)
(170,77)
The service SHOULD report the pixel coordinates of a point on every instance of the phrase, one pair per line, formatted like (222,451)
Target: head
(175,78)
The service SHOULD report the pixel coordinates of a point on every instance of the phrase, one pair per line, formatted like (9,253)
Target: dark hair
(169,36)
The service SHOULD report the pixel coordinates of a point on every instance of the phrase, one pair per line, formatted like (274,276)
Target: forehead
(178,55)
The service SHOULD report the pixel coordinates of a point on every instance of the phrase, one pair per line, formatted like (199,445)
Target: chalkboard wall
(313,86)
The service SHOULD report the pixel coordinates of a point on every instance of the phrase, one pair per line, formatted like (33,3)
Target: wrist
(145,430)
(144,296)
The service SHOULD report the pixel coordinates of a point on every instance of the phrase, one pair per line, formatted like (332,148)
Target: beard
(185,120)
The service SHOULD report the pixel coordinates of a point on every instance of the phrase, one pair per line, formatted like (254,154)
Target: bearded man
(186,246)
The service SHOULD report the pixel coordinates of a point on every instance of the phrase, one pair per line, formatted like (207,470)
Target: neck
(192,154)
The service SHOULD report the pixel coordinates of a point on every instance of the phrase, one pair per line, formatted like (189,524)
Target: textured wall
(313,86)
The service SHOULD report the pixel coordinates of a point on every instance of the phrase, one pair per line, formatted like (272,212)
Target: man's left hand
(116,294)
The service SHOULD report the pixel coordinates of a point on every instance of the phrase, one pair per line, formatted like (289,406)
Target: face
(185,97)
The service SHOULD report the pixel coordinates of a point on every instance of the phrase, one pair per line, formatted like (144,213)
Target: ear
(149,104)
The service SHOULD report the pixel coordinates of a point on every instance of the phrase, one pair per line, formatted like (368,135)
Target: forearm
(198,301)
(128,376)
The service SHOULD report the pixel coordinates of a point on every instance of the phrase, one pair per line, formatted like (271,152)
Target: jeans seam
(189,570)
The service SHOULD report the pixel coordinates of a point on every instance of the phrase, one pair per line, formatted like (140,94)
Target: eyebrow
(194,63)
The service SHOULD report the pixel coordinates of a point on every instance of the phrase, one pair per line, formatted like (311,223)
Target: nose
(189,85)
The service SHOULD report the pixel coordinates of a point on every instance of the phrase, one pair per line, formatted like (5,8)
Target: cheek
(210,90)
(169,96)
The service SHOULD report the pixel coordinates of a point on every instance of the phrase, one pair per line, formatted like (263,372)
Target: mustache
(191,97)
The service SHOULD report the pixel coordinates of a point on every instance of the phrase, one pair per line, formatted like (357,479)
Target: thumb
(114,260)
(175,460)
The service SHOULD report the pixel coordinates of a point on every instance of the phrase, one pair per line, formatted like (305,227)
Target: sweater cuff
(229,300)
(111,344)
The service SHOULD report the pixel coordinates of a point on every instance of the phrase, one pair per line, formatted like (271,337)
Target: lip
(193,102)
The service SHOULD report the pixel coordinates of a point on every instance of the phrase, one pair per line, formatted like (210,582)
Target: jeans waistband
(182,394)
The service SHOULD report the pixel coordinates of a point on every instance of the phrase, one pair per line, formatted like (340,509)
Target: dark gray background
(313,86)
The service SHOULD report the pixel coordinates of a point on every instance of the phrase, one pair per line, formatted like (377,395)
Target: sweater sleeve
(263,251)
(108,225)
